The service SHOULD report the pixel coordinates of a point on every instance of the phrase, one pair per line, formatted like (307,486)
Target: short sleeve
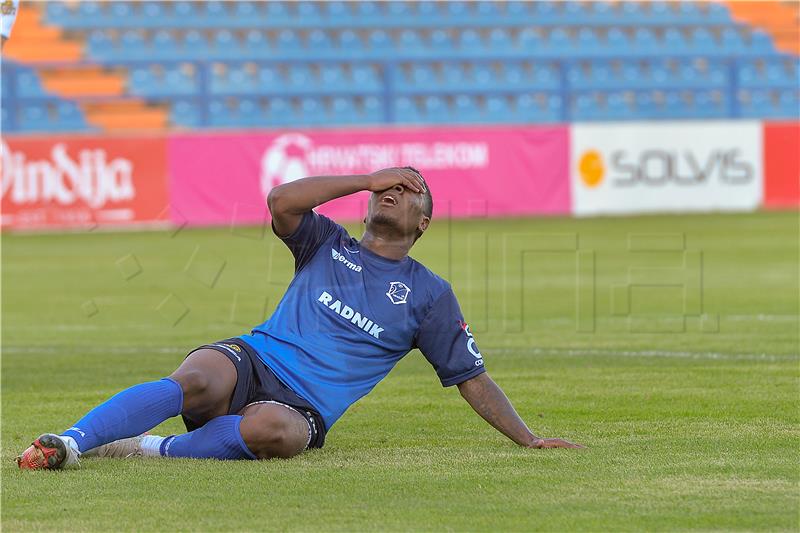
(447,343)
(313,231)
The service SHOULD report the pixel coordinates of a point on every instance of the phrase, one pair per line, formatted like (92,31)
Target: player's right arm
(288,202)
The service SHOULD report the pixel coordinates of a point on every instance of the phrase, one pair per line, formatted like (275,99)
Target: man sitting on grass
(352,311)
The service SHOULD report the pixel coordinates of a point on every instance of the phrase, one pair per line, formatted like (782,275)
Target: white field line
(223,325)
(604,352)
(610,352)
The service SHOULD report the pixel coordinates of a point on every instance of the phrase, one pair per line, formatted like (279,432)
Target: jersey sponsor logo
(471,346)
(231,348)
(398,292)
(346,262)
(348,313)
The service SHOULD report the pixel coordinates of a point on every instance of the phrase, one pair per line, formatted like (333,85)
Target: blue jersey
(349,315)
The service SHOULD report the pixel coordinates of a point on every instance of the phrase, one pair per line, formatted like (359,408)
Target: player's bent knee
(271,431)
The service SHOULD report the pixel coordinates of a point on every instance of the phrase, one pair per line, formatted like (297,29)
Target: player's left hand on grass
(555,443)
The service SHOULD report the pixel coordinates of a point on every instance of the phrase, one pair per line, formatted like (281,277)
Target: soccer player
(351,312)
(8,14)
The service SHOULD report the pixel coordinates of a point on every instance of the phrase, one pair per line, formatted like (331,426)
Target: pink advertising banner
(223,179)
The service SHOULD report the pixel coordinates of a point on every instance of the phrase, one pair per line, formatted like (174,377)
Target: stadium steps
(83,82)
(33,42)
(126,115)
(779,18)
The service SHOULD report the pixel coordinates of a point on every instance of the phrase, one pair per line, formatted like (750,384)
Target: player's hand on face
(389,177)
(555,443)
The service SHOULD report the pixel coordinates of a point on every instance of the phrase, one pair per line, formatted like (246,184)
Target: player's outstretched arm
(288,202)
(489,401)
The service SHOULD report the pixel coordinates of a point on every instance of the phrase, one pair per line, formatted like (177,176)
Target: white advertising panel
(651,167)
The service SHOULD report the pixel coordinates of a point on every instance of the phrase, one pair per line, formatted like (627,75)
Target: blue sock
(218,439)
(128,414)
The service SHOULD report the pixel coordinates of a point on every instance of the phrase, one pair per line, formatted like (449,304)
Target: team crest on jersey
(398,292)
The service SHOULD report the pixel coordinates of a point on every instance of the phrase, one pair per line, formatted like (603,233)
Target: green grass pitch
(667,345)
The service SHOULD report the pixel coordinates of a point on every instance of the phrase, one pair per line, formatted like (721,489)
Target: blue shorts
(255,383)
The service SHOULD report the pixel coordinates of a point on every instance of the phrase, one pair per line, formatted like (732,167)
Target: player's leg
(201,387)
(263,430)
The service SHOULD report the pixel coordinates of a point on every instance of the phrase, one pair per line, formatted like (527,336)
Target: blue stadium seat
(488,11)
(332,77)
(702,42)
(311,111)
(150,12)
(436,110)
(195,44)
(515,75)
(269,80)
(453,75)
(185,114)
(497,109)
(184,13)
(277,12)
(645,41)
(530,41)
(244,10)
(732,41)
(371,110)
(34,118)
(89,10)
(288,42)
(280,111)
(365,77)
(28,83)
(516,10)
(422,76)
(349,44)
(588,42)
(69,115)
(337,11)
(379,40)
(674,41)
(465,110)
(225,45)
(219,113)
(458,11)
(544,11)
(216,10)
(441,41)
(255,43)
(120,11)
(368,11)
(410,43)
(398,10)
(249,113)
(319,41)
(240,79)
(761,43)
(164,43)
(617,41)
(470,41)
(132,45)
(342,110)
(500,41)
(307,10)
(142,81)
(428,10)
(559,42)
(789,103)
(300,77)
(482,76)
(545,76)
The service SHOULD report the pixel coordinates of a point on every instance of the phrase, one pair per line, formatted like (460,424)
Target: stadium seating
(250,63)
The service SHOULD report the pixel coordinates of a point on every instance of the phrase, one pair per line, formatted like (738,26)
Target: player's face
(397,208)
